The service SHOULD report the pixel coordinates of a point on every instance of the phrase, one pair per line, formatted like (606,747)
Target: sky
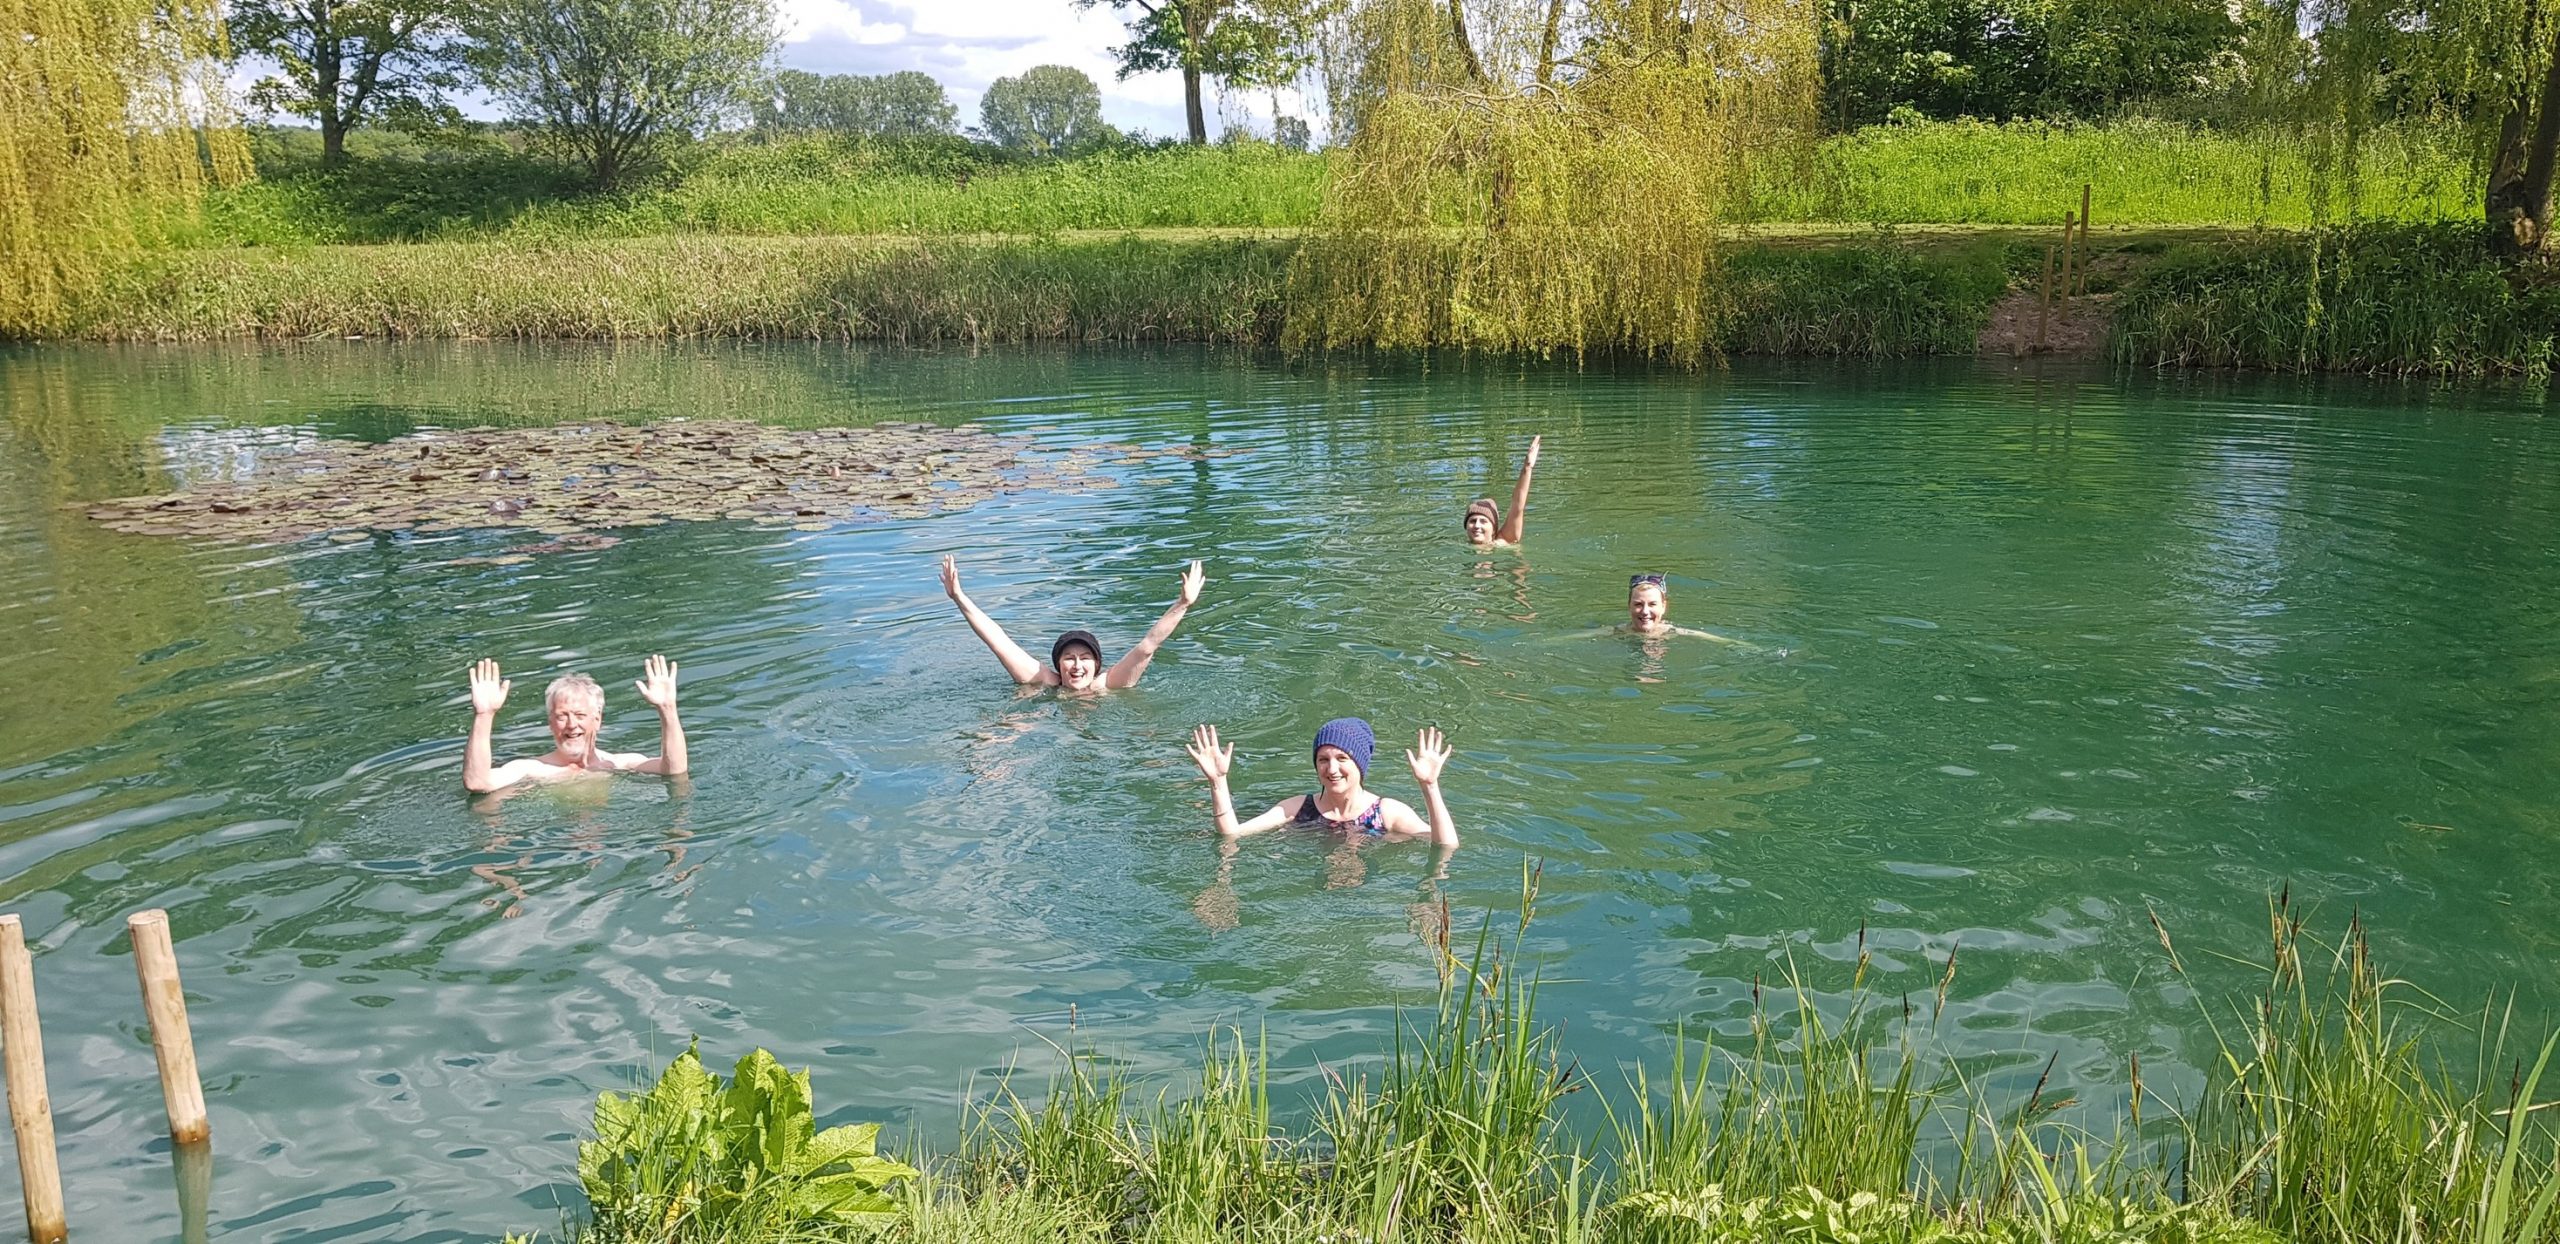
(969,43)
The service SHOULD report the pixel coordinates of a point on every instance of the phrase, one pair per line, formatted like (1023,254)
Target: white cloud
(967,44)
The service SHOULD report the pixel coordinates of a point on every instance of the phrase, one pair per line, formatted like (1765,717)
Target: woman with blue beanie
(1340,802)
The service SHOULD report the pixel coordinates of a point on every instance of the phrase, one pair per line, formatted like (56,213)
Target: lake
(2030,654)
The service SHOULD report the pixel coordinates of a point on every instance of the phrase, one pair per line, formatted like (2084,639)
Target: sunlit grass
(2326,1118)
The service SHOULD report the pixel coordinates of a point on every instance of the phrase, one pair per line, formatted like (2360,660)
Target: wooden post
(194,1167)
(2070,232)
(2084,237)
(166,1004)
(30,1108)
(2044,297)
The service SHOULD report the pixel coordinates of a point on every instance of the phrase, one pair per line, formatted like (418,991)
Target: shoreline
(2376,300)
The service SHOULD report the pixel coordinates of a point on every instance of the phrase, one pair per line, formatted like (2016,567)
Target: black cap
(1086,638)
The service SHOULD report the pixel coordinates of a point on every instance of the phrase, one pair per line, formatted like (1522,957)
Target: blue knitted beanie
(1353,736)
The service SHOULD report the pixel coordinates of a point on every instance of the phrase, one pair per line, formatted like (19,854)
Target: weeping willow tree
(113,119)
(2330,74)
(1545,175)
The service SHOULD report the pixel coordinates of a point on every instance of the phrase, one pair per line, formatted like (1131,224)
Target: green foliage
(1877,299)
(2322,1123)
(618,85)
(2002,59)
(693,1159)
(2143,172)
(1241,45)
(2326,1121)
(2385,299)
(343,65)
(113,121)
(907,104)
(1046,110)
(1495,197)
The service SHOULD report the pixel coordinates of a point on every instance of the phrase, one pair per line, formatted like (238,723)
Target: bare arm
(488,695)
(1131,666)
(1214,761)
(1018,663)
(1430,755)
(658,686)
(1517,520)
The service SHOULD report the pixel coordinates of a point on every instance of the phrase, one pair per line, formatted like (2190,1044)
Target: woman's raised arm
(1517,520)
(1132,665)
(1020,664)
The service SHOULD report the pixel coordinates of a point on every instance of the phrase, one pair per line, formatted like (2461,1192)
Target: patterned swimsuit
(1372,822)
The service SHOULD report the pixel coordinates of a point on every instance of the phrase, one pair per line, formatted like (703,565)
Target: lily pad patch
(571,482)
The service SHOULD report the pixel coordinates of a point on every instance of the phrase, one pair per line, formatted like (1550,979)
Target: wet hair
(1075,639)
(579,685)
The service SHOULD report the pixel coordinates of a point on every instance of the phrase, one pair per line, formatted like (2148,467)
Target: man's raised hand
(1214,761)
(1191,585)
(488,691)
(658,682)
(951,576)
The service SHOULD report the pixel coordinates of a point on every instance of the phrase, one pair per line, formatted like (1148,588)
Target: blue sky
(970,43)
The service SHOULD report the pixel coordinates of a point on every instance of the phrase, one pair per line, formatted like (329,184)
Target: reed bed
(2331,1114)
(2399,300)
(1873,298)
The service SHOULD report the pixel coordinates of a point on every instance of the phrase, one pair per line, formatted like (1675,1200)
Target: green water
(2057,649)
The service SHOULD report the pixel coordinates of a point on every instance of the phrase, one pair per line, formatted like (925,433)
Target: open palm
(1429,755)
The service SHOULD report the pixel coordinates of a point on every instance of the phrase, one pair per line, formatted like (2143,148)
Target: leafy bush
(693,1159)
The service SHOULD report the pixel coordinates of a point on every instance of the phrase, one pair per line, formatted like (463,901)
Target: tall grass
(1875,299)
(2328,1117)
(2384,299)
(804,187)
(1953,172)
(2142,173)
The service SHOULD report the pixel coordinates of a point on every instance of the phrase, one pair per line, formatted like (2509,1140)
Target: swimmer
(1485,525)
(575,705)
(1075,661)
(1343,749)
(1648,607)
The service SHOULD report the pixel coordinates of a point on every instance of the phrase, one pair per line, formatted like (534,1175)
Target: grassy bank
(2381,299)
(2146,173)
(2325,1117)
(1873,298)
(2141,173)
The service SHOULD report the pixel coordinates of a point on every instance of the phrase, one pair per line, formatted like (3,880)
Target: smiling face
(1336,771)
(1479,527)
(1647,608)
(575,719)
(1079,668)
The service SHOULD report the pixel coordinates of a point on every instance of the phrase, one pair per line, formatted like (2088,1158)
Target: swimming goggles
(1640,580)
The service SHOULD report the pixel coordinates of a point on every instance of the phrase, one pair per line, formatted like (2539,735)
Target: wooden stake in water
(166,1003)
(2044,297)
(194,1167)
(30,1107)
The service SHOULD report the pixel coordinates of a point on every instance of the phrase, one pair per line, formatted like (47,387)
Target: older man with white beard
(575,707)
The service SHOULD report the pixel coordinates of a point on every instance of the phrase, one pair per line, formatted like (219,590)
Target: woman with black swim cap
(1075,661)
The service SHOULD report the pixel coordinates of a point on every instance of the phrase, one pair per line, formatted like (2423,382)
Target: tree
(113,120)
(618,83)
(898,105)
(342,63)
(2002,59)
(1240,43)
(1049,109)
